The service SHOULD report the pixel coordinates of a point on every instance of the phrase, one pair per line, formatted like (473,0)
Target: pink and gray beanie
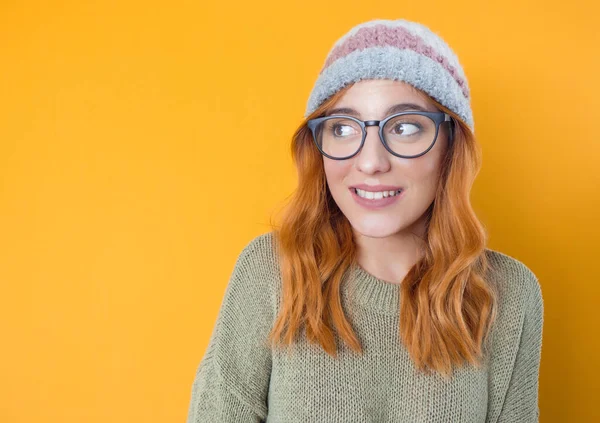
(399,50)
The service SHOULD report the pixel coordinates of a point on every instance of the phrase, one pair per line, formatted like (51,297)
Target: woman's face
(374,165)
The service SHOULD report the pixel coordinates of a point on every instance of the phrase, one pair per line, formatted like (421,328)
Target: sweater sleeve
(232,379)
(521,401)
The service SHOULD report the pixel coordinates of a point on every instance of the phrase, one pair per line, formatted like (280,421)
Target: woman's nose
(373,156)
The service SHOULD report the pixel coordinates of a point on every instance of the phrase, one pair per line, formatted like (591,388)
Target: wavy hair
(447,307)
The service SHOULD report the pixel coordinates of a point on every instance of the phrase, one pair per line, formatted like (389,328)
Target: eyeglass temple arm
(448,118)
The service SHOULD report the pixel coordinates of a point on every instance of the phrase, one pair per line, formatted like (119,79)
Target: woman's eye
(342,130)
(405,129)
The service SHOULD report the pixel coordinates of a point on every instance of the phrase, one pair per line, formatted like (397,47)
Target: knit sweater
(241,379)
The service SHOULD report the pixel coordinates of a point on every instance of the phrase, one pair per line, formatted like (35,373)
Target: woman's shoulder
(257,267)
(263,242)
(516,283)
(259,253)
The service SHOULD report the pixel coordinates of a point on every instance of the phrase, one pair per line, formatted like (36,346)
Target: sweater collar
(371,292)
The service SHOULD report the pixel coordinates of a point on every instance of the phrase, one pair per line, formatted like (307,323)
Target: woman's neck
(389,258)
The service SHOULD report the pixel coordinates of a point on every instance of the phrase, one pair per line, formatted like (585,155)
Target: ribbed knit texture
(241,379)
(399,50)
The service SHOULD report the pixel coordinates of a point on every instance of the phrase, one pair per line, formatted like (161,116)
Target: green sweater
(240,379)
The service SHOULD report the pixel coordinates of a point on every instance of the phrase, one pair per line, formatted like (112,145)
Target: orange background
(143,144)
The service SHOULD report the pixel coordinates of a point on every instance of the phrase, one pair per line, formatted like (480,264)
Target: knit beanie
(398,50)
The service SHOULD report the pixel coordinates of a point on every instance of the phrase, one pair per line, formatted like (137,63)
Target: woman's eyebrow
(397,108)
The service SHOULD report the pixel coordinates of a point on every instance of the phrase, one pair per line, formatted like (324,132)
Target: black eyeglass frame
(437,117)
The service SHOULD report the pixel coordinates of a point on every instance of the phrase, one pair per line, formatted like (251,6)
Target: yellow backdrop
(143,144)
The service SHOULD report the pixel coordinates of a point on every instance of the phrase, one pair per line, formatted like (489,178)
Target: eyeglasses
(407,134)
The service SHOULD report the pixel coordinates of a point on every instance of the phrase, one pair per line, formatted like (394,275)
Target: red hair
(447,307)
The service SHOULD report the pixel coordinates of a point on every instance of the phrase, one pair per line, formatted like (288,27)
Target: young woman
(376,299)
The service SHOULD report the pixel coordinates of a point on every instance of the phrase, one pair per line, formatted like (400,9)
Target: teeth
(376,195)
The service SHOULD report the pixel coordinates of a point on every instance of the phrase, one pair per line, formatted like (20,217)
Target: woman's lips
(376,204)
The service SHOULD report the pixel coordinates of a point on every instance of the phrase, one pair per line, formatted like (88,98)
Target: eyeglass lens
(406,135)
